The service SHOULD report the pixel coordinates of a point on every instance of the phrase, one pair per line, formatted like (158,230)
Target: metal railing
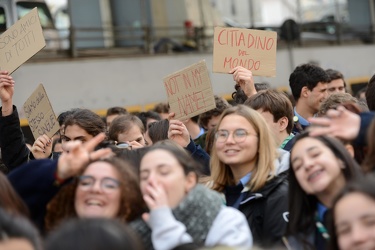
(122,41)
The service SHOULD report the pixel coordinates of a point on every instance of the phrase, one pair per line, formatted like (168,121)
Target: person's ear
(283,123)
(305,92)
(191,181)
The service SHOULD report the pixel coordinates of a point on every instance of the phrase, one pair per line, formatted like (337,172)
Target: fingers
(71,146)
(41,143)
(91,144)
(319,121)
(135,144)
(171,116)
(5,78)
(241,74)
(175,124)
(317,131)
(155,196)
(146,217)
(175,128)
(100,154)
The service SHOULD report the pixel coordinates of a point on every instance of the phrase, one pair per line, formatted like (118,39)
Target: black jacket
(13,147)
(267,211)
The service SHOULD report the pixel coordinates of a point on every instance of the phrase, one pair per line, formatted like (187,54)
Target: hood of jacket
(282,161)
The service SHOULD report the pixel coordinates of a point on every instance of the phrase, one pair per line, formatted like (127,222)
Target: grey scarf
(197,212)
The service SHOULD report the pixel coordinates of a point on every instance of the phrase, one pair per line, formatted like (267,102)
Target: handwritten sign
(40,115)
(190,91)
(21,41)
(252,49)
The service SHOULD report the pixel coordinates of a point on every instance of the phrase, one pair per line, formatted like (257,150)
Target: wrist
(7,108)
(58,180)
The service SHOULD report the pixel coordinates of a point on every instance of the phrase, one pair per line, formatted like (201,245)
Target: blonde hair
(221,174)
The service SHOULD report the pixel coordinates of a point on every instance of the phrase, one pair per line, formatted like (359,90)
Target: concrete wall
(102,83)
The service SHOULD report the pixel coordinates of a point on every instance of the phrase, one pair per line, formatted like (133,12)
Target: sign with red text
(190,91)
(254,50)
(21,41)
(40,115)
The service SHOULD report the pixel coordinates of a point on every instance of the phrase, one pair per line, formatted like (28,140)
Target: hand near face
(76,154)
(42,147)
(178,133)
(340,123)
(135,144)
(244,78)
(155,196)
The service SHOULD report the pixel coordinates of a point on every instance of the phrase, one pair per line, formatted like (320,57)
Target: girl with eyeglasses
(246,169)
(79,184)
(319,169)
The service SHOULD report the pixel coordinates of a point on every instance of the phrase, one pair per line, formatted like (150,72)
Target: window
(3,20)
(44,14)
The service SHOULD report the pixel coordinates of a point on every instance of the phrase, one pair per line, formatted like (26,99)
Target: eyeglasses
(239,135)
(123,145)
(107,184)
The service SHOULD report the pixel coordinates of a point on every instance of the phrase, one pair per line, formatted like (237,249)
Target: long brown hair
(131,205)
(9,199)
(221,174)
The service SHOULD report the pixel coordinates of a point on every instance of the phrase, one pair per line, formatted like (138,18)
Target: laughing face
(316,168)
(98,193)
(237,151)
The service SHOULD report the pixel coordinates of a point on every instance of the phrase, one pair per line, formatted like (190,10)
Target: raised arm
(12,143)
(244,78)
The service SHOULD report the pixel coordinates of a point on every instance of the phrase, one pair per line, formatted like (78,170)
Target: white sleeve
(167,232)
(230,228)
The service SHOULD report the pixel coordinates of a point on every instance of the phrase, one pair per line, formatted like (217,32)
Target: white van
(13,10)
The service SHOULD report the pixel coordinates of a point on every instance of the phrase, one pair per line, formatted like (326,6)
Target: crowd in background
(266,170)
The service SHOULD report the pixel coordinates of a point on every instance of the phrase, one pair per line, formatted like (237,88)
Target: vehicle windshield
(45,16)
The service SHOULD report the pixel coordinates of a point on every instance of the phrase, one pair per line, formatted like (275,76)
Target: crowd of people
(266,170)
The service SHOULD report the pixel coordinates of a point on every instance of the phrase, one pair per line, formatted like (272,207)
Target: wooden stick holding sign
(40,115)
(21,41)
(254,50)
(190,91)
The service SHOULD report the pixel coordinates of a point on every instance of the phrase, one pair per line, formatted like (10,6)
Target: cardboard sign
(40,115)
(252,49)
(190,91)
(21,41)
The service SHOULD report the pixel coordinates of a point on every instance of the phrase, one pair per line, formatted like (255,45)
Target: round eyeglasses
(239,135)
(107,184)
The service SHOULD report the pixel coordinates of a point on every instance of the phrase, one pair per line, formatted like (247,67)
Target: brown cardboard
(251,49)
(21,41)
(40,115)
(190,91)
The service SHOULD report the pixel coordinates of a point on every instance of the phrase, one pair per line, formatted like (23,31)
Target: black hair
(365,186)
(116,111)
(303,206)
(158,131)
(148,115)
(87,120)
(184,158)
(239,96)
(370,94)
(334,75)
(17,226)
(93,234)
(306,75)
